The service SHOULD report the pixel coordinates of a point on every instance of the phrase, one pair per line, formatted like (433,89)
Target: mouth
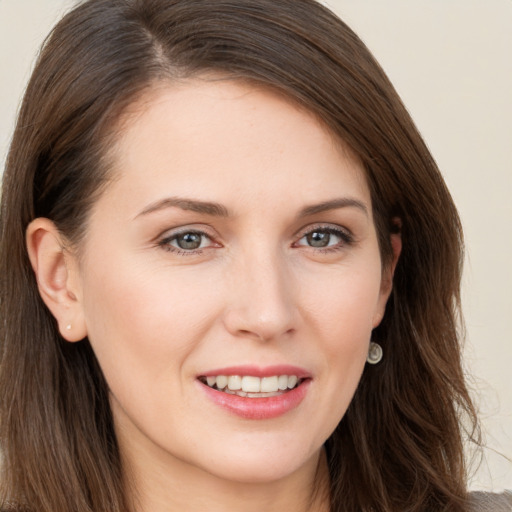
(256,393)
(249,386)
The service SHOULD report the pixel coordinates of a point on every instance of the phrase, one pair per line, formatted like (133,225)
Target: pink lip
(256,371)
(258,408)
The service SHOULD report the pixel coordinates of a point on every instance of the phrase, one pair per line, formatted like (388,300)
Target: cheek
(342,303)
(341,316)
(145,318)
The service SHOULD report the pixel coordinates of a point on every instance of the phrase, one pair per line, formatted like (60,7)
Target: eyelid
(164,239)
(203,229)
(326,226)
(344,233)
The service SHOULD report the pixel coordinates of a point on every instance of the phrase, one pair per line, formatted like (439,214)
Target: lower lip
(258,408)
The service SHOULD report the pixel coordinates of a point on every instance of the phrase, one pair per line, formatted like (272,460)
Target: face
(235,249)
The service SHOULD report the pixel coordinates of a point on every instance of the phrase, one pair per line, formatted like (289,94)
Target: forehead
(205,136)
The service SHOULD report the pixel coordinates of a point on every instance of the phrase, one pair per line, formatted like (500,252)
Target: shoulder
(490,502)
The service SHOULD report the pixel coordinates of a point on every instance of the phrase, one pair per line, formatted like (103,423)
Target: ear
(388,272)
(57,277)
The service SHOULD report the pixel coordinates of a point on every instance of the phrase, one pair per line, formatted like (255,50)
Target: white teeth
(253,386)
(262,395)
(235,382)
(222,381)
(269,384)
(292,381)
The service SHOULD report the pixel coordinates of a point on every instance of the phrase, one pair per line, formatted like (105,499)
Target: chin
(263,465)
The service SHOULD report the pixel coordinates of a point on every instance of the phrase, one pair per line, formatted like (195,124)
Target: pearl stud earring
(375,353)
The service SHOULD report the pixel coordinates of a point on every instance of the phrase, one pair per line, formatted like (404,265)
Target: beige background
(451,60)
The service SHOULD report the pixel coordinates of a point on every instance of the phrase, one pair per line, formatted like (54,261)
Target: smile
(252,387)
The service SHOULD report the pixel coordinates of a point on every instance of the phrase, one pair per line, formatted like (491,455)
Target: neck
(162,487)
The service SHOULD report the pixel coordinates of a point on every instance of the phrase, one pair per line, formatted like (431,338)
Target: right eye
(325,238)
(186,242)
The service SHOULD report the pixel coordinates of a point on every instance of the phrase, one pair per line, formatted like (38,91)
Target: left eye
(321,238)
(188,241)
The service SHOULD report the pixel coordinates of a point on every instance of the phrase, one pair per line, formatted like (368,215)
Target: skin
(256,292)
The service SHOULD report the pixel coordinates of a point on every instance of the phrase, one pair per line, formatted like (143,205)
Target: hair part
(400,444)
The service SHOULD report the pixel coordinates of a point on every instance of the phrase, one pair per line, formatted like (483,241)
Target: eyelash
(165,243)
(345,236)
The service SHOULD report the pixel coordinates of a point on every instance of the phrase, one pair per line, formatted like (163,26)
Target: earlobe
(57,279)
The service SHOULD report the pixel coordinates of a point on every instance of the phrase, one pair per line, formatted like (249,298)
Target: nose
(261,303)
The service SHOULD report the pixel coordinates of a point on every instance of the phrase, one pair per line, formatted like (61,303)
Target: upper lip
(259,371)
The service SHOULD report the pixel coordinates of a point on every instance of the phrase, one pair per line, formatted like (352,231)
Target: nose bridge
(262,304)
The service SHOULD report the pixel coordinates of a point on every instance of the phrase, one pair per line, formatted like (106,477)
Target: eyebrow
(218,210)
(193,205)
(333,204)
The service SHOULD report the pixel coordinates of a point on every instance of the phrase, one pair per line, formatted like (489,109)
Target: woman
(230,272)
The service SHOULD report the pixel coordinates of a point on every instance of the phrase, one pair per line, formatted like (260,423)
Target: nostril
(263,334)
(260,320)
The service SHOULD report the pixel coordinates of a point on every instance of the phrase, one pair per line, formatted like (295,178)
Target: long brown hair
(400,444)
